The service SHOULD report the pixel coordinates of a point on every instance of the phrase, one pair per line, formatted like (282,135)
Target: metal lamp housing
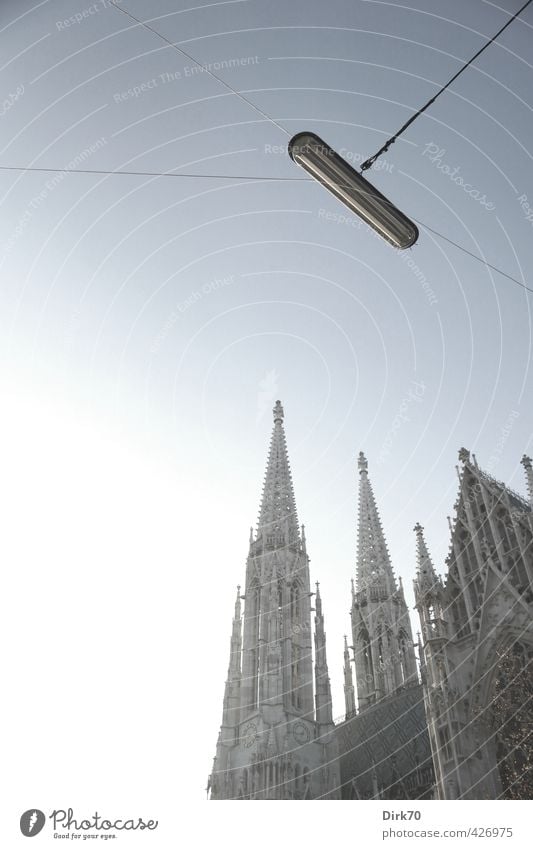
(325,165)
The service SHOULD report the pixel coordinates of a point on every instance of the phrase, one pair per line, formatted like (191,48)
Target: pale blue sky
(171,313)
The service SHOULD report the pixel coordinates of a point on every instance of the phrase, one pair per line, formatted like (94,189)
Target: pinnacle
(373,562)
(426,577)
(278,521)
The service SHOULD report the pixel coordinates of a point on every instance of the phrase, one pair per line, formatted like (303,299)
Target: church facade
(448,718)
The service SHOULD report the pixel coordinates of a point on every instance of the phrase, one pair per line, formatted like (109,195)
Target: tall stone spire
(373,564)
(324,713)
(282,744)
(349,692)
(382,638)
(278,520)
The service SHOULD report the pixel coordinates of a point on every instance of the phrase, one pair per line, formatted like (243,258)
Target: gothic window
(444,743)
(295,675)
(404,658)
(364,641)
(253,593)
(295,592)
(380,653)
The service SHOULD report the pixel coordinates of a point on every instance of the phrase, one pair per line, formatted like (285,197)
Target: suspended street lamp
(330,169)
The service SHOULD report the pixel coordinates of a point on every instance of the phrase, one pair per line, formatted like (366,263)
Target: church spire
(373,564)
(426,580)
(383,644)
(277,739)
(278,522)
(322,684)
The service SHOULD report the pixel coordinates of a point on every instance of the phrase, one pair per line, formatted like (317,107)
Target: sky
(149,323)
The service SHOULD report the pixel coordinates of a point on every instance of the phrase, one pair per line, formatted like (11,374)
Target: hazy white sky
(148,325)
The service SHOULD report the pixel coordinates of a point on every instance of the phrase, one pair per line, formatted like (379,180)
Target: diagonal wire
(474,256)
(369,162)
(250,178)
(196,62)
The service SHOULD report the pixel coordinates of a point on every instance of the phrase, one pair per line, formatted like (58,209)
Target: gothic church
(449,718)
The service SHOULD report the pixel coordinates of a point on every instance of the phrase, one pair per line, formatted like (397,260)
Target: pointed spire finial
(238,603)
(362,463)
(318,600)
(464,455)
(426,577)
(278,412)
(526,462)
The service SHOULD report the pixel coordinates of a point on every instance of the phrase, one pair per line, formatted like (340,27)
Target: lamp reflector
(338,176)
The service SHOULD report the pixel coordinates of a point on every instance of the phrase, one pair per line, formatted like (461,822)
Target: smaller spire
(318,600)
(238,604)
(526,462)
(426,577)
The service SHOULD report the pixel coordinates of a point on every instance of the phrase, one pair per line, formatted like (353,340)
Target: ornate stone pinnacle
(362,463)
(464,455)
(278,412)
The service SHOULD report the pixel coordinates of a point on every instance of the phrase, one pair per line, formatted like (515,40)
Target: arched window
(294,604)
(295,677)
(366,653)
(403,644)
(252,614)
